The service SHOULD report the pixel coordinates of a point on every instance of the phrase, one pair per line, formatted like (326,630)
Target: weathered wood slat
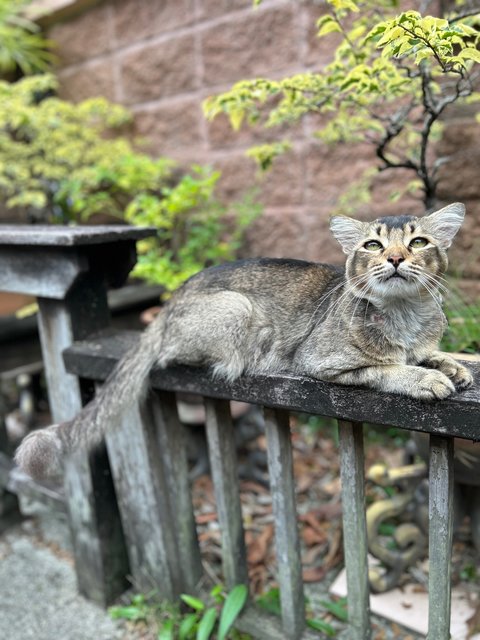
(287,544)
(143,502)
(354,529)
(440,537)
(97,536)
(223,464)
(173,452)
(101,561)
(457,416)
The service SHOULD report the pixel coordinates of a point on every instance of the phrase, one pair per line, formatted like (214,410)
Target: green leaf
(166,632)
(321,625)
(207,624)
(127,613)
(270,601)
(470,53)
(194,603)
(231,609)
(337,609)
(187,626)
(327,24)
(236,118)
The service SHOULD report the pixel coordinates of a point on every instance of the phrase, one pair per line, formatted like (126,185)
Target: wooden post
(287,544)
(101,562)
(172,451)
(67,268)
(143,502)
(223,464)
(440,537)
(354,529)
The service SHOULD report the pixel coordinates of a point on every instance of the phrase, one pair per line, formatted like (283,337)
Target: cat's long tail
(42,452)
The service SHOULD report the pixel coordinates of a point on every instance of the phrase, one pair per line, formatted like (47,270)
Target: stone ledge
(47,12)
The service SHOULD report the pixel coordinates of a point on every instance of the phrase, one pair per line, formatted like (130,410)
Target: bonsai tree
(391,79)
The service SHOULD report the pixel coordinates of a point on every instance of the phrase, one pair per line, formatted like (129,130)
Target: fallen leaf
(203,518)
(313,574)
(257,550)
(312,554)
(312,536)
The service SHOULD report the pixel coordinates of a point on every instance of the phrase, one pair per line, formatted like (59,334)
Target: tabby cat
(377,322)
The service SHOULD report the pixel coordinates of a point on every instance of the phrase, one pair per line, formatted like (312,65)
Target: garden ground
(39,598)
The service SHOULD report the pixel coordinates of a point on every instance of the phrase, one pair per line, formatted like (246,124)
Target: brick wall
(163,57)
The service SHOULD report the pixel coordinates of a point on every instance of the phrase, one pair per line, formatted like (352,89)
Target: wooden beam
(456,416)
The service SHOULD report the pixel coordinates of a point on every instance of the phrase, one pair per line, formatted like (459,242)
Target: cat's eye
(373,245)
(418,243)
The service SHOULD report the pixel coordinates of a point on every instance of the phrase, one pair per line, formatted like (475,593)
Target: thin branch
(465,14)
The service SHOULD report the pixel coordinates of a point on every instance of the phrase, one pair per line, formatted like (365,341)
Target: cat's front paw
(461,377)
(458,374)
(433,385)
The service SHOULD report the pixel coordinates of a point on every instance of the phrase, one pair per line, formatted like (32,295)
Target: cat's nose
(395,260)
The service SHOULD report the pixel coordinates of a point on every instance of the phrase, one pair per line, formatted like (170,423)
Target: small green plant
(203,620)
(139,608)
(469,573)
(270,602)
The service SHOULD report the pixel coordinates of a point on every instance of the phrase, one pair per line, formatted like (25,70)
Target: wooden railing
(131,512)
(154,451)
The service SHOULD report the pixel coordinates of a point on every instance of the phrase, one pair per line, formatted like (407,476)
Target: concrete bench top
(66,236)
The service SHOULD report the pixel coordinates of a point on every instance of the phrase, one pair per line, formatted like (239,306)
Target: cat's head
(397,256)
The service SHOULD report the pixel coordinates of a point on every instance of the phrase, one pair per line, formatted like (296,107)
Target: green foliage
(391,78)
(21,44)
(139,609)
(48,147)
(463,332)
(270,602)
(64,163)
(194,230)
(265,154)
(216,616)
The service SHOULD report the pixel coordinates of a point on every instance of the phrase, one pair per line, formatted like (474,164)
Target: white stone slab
(409,607)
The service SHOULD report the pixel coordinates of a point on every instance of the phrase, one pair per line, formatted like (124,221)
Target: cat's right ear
(347,231)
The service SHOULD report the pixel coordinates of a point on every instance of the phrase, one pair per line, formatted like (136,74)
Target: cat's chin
(394,287)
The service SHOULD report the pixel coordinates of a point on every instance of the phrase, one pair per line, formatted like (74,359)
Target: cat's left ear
(444,223)
(347,231)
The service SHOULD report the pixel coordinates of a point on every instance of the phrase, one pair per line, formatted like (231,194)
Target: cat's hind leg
(209,329)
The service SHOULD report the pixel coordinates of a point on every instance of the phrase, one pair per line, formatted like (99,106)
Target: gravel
(38,592)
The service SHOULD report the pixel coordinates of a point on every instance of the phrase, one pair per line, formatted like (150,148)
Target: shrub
(65,162)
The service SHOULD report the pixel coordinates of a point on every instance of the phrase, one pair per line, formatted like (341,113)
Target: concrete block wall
(161,58)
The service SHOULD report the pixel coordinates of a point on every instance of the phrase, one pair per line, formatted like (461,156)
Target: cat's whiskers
(432,279)
(322,300)
(433,294)
(360,298)
(337,305)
